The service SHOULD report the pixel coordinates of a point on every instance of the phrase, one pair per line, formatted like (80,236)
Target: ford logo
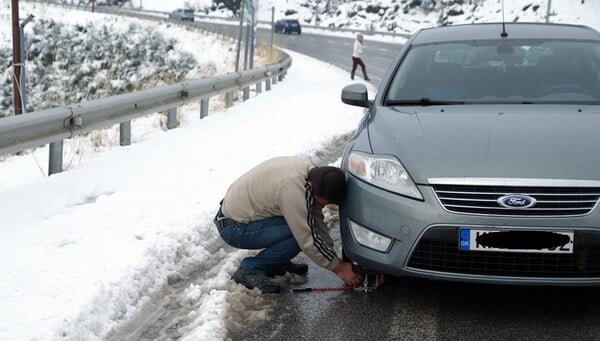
(516,201)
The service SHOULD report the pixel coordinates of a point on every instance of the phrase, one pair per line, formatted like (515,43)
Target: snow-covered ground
(83,250)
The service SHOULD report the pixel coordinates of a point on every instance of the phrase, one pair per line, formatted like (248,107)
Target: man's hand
(344,270)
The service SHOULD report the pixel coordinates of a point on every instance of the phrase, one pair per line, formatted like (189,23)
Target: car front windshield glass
(498,71)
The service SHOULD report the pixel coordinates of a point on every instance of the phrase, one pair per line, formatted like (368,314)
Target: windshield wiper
(423,102)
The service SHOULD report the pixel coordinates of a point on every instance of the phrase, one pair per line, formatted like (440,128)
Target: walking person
(357,57)
(277,207)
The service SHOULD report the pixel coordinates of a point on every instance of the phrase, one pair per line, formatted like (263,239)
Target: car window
(499,71)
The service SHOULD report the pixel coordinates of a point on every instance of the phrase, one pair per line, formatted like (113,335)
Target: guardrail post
(204,107)
(125,133)
(229,99)
(280,77)
(258,87)
(172,118)
(274,80)
(246,93)
(55,159)
(268,84)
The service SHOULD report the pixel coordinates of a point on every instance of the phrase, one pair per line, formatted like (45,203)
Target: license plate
(515,240)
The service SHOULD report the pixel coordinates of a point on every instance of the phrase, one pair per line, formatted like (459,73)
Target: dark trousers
(357,61)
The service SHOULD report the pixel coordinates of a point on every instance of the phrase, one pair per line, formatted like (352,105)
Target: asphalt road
(338,51)
(419,309)
(332,49)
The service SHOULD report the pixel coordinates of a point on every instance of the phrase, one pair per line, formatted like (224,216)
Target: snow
(84,250)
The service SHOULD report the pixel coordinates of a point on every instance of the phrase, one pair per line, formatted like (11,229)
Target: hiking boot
(293,268)
(252,280)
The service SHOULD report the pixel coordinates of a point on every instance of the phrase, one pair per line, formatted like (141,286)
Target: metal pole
(172,118)
(55,158)
(316,12)
(246,47)
(23,56)
(548,11)
(252,37)
(229,99)
(204,107)
(22,75)
(272,25)
(16,59)
(237,56)
(125,133)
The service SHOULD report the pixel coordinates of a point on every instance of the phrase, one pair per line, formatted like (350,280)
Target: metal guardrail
(21,132)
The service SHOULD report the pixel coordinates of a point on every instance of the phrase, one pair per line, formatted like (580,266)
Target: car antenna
(503,34)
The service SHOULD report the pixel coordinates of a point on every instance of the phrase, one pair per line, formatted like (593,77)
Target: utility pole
(272,25)
(23,54)
(548,11)
(16,59)
(316,12)
(239,43)
(253,35)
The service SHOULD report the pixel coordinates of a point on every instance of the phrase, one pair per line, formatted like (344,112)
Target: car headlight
(383,171)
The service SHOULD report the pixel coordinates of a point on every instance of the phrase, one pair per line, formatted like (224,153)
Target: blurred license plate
(515,240)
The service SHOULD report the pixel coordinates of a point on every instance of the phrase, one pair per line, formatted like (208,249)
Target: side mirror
(356,94)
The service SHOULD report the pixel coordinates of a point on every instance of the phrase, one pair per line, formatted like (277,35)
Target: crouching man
(277,207)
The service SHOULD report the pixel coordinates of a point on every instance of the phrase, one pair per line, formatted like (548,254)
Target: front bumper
(425,242)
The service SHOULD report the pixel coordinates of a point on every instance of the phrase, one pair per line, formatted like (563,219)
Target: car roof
(489,31)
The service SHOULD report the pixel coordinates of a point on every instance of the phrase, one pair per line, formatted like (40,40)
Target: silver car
(182,14)
(479,158)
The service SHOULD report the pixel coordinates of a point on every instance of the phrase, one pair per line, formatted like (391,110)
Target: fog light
(368,238)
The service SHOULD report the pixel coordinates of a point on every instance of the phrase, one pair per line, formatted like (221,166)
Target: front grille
(438,251)
(551,201)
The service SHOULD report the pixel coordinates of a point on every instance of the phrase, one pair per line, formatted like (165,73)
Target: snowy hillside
(83,57)
(407,16)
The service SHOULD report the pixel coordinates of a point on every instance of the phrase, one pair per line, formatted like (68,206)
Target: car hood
(483,141)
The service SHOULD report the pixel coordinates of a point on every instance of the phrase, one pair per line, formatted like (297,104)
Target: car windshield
(507,71)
